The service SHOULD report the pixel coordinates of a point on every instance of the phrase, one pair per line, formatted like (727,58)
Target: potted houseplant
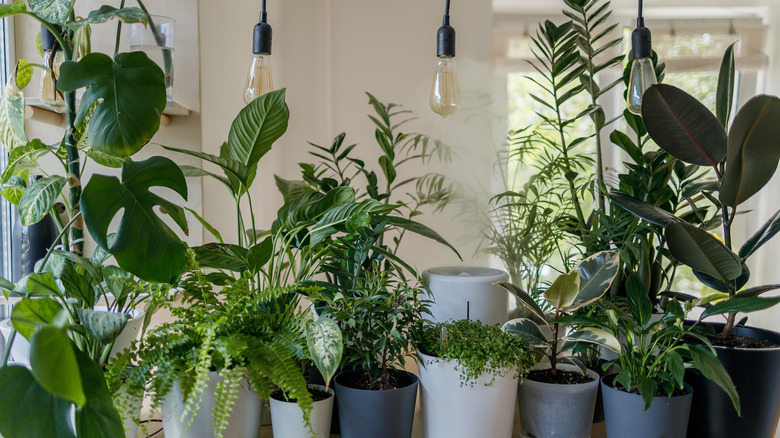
(648,397)
(563,384)
(743,157)
(469,374)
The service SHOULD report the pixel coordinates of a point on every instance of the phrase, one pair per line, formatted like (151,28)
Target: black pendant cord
(640,20)
(445,46)
(263,34)
(263,13)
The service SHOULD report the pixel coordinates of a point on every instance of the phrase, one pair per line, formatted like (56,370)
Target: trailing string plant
(477,349)
(743,158)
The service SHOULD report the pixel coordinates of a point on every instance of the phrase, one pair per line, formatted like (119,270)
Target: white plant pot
(129,411)
(20,350)
(452,410)
(244,420)
(287,417)
(467,293)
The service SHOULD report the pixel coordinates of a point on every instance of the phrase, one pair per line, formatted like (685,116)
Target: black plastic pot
(666,417)
(756,374)
(376,414)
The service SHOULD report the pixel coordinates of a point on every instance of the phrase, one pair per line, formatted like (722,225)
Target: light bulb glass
(641,78)
(445,91)
(260,79)
(49,93)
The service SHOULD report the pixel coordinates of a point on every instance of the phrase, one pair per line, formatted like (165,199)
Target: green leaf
(221,256)
(596,273)
(54,365)
(98,417)
(753,150)
(21,159)
(103,326)
(525,299)
(756,291)
(702,251)
(131,93)
(12,114)
(256,127)
(24,73)
(683,126)
(326,345)
(39,198)
(744,304)
(725,90)
(105,159)
(417,228)
(643,210)
(563,291)
(210,228)
(647,389)
(386,164)
(29,410)
(53,11)
(625,143)
(595,336)
(28,314)
(762,236)
(42,284)
(13,190)
(105,13)
(8,9)
(258,255)
(528,330)
(676,367)
(231,167)
(709,365)
(144,244)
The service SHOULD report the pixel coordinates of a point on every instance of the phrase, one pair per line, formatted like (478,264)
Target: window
(7,213)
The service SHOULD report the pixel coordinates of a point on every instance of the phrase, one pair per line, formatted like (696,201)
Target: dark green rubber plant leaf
(98,417)
(597,273)
(53,363)
(39,198)
(29,410)
(683,126)
(131,93)
(526,300)
(53,11)
(29,314)
(744,304)
(643,210)
(144,245)
(106,12)
(254,130)
(702,251)
(725,91)
(754,150)
(762,236)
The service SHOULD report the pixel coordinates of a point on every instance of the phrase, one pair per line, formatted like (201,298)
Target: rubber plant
(119,112)
(742,157)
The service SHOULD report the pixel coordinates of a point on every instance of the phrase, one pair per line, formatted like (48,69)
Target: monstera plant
(119,112)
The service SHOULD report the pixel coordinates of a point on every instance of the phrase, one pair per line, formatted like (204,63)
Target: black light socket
(263,36)
(641,42)
(48,41)
(445,39)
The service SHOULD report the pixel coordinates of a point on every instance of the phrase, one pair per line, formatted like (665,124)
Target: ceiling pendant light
(260,79)
(642,70)
(445,90)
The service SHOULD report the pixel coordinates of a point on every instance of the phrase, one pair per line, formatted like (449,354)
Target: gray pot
(551,410)
(667,417)
(376,414)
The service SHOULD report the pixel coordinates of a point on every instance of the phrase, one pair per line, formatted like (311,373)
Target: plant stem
(118,29)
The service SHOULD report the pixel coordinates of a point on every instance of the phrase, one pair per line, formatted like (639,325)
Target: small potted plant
(563,384)
(648,397)
(469,374)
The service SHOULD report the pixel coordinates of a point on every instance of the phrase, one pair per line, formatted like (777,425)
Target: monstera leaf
(130,90)
(144,244)
(53,11)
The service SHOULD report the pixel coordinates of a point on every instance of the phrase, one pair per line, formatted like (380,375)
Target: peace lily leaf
(256,127)
(28,314)
(702,251)
(648,388)
(525,299)
(596,275)
(39,198)
(643,210)
(210,228)
(144,244)
(711,368)
(258,255)
(639,305)
(762,236)
(742,304)
(683,126)
(105,13)
(528,330)
(30,410)
(8,9)
(231,167)
(12,115)
(103,326)
(725,90)
(676,367)
(130,90)
(417,228)
(753,151)
(326,345)
(563,291)
(595,336)
(54,365)
(53,11)
(98,417)
(24,73)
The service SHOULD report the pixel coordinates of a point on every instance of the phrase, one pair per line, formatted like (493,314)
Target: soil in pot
(561,377)
(316,395)
(288,419)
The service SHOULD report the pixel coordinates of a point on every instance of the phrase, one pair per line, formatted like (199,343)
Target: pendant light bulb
(642,70)
(260,79)
(445,89)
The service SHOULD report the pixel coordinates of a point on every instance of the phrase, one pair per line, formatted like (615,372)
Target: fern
(225,397)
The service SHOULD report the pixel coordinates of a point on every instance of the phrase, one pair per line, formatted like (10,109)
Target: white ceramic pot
(244,421)
(129,410)
(463,292)
(452,410)
(287,417)
(20,350)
